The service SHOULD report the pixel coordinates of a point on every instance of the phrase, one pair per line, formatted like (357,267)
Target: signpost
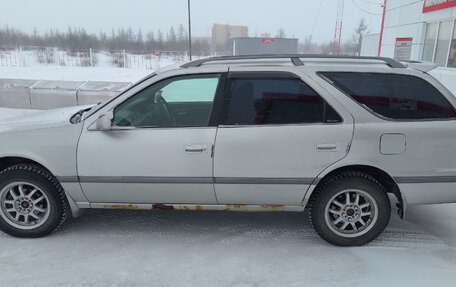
(403,49)
(189,32)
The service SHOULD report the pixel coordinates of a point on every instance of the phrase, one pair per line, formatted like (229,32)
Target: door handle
(328,147)
(195,149)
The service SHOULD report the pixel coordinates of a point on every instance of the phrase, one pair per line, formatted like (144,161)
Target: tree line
(120,39)
(138,42)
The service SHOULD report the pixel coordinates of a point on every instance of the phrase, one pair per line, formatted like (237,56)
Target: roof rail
(295,59)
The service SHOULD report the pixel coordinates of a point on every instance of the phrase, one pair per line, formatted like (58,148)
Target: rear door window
(275,100)
(394,96)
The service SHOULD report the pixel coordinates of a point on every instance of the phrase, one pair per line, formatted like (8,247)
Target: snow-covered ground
(31,65)
(172,248)
(110,74)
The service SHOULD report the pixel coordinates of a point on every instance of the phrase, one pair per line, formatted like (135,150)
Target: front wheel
(350,209)
(32,202)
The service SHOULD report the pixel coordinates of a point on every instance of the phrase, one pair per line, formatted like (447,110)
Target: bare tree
(182,37)
(358,34)
(281,33)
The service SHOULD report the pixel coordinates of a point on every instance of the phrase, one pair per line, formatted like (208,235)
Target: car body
(209,153)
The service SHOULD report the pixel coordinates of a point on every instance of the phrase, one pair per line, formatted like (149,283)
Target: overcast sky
(297,17)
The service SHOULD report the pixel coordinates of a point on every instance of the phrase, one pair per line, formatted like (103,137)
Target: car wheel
(32,202)
(350,209)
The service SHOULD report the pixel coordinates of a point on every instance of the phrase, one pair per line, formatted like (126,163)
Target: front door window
(178,102)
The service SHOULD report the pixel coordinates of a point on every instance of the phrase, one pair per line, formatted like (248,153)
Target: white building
(428,24)
(421,30)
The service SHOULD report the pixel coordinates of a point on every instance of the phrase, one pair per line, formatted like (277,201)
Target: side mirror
(104,122)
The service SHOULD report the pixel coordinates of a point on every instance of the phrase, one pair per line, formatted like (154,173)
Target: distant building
(263,46)
(221,35)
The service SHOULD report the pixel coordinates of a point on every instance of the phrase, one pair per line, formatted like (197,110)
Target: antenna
(338,29)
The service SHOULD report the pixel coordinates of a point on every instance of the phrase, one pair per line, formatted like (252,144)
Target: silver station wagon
(342,136)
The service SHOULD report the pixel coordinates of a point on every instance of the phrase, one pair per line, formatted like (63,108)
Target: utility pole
(381,32)
(338,29)
(189,32)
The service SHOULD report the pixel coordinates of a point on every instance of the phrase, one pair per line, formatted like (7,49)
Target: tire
(32,202)
(352,220)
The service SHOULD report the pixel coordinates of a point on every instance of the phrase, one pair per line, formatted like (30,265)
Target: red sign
(435,5)
(404,39)
(157,53)
(268,41)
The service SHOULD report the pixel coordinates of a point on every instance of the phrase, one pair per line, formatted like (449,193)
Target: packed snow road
(172,248)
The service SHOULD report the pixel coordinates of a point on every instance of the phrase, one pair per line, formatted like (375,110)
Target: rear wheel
(350,209)
(32,202)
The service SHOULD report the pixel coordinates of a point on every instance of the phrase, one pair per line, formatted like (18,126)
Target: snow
(188,248)
(58,73)
(138,66)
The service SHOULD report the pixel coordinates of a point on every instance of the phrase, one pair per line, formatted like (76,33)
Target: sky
(299,18)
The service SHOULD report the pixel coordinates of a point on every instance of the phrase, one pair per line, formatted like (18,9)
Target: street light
(189,32)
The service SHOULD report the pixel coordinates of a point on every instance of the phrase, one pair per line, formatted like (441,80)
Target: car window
(177,102)
(394,96)
(263,101)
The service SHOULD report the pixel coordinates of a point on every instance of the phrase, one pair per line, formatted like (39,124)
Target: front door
(278,134)
(159,150)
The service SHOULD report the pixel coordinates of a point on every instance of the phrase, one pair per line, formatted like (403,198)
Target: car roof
(297,60)
(309,60)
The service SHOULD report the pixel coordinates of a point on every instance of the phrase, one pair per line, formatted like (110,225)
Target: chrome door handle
(195,148)
(328,147)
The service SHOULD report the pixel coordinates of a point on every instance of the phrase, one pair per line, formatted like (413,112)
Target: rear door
(277,133)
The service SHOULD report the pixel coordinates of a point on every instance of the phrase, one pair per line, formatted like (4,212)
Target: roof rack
(295,59)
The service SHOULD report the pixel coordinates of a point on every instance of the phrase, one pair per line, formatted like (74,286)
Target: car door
(159,149)
(277,134)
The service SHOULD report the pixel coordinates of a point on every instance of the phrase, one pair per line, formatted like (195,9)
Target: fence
(32,56)
(10,57)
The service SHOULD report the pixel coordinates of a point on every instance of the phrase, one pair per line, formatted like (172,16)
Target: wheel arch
(379,174)
(7,161)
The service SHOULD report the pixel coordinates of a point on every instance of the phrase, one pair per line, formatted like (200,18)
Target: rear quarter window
(394,96)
